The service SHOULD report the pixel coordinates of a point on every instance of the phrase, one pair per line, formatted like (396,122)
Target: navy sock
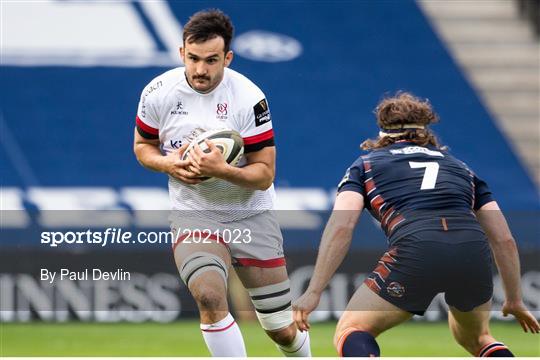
(360,343)
(495,349)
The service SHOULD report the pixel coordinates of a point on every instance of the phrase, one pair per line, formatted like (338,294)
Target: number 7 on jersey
(430,175)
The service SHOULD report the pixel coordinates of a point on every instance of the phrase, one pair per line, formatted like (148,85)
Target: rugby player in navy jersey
(442,224)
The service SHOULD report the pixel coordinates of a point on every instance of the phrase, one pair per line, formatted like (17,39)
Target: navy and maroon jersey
(410,188)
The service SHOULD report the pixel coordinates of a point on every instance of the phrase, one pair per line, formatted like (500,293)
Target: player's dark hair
(208,24)
(409,116)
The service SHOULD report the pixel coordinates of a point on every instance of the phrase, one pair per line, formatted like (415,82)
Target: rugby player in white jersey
(174,108)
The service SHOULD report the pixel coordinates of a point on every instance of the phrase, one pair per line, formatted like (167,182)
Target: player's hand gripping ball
(228,141)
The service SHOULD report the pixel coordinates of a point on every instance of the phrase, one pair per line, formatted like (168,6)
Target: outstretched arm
(507,259)
(335,243)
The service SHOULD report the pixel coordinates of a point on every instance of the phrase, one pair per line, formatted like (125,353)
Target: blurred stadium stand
(72,74)
(71,125)
(499,52)
(530,10)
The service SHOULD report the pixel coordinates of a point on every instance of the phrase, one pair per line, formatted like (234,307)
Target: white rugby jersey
(171,111)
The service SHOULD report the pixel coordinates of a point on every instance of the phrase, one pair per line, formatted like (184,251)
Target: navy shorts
(418,267)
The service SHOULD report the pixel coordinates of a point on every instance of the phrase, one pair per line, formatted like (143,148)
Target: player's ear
(182,54)
(228,58)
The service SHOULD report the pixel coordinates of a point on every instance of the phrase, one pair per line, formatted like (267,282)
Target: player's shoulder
(242,87)
(360,161)
(449,156)
(354,175)
(164,82)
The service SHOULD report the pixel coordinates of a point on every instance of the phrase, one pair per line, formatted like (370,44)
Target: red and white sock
(224,338)
(300,346)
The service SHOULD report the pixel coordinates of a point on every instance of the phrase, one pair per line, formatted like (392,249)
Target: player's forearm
(504,248)
(256,176)
(150,157)
(335,243)
(507,260)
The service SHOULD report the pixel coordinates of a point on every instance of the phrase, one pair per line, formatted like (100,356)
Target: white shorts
(253,241)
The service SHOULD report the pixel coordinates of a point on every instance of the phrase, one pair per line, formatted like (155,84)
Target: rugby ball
(228,141)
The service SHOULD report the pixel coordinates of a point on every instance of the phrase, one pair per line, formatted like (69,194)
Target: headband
(397,130)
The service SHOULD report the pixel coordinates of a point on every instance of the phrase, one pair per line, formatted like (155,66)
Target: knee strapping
(273,305)
(200,262)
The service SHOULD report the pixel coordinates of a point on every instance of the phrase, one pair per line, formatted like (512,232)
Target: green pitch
(184,339)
